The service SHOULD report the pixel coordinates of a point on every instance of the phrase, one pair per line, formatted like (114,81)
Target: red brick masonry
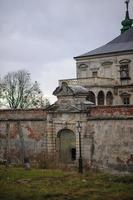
(112,111)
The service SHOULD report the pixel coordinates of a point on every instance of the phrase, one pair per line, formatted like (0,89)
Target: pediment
(107,63)
(63,107)
(124,61)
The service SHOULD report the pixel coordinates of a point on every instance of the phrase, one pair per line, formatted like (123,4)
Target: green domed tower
(127,22)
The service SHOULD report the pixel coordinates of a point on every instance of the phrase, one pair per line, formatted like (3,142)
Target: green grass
(38,184)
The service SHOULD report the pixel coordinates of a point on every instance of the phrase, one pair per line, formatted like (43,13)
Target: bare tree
(0,88)
(19,92)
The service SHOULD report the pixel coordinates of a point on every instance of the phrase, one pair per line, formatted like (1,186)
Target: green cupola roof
(127,22)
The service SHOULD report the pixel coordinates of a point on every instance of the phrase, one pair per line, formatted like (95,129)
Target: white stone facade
(103,73)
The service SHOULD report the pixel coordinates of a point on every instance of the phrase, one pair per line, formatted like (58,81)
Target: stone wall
(110,136)
(22,134)
(106,135)
(109,144)
(112,111)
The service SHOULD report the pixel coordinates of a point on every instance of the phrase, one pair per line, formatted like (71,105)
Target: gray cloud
(43,36)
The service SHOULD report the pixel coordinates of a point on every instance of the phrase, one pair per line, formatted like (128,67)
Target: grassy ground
(38,184)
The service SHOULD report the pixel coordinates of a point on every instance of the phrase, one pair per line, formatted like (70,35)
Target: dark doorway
(73,154)
(66,145)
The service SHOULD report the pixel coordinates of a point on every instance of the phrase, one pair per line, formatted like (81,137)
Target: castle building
(101,100)
(107,72)
(91,123)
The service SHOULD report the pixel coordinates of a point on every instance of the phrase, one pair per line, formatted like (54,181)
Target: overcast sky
(43,36)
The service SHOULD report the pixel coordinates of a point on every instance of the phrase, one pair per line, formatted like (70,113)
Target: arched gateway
(66,145)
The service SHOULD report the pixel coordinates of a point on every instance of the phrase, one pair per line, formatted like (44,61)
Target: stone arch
(91,97)
(66,145)
(109,98)
(101,98)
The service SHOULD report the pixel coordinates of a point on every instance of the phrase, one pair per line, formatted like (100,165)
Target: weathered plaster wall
(110,138)
(22,134)
(111,142)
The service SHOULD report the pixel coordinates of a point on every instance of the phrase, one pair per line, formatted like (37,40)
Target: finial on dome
(127,6)
(127,22)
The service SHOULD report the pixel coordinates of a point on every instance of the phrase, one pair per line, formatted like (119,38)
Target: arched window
(101,98)
(109,98)
(91,97)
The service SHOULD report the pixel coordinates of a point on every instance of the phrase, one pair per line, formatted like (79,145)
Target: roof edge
(106,54)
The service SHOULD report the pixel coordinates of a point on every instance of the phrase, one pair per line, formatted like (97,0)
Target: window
(125,98)
(83,70)
(94,74)
(109,98)
(101,98)
(124,71)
